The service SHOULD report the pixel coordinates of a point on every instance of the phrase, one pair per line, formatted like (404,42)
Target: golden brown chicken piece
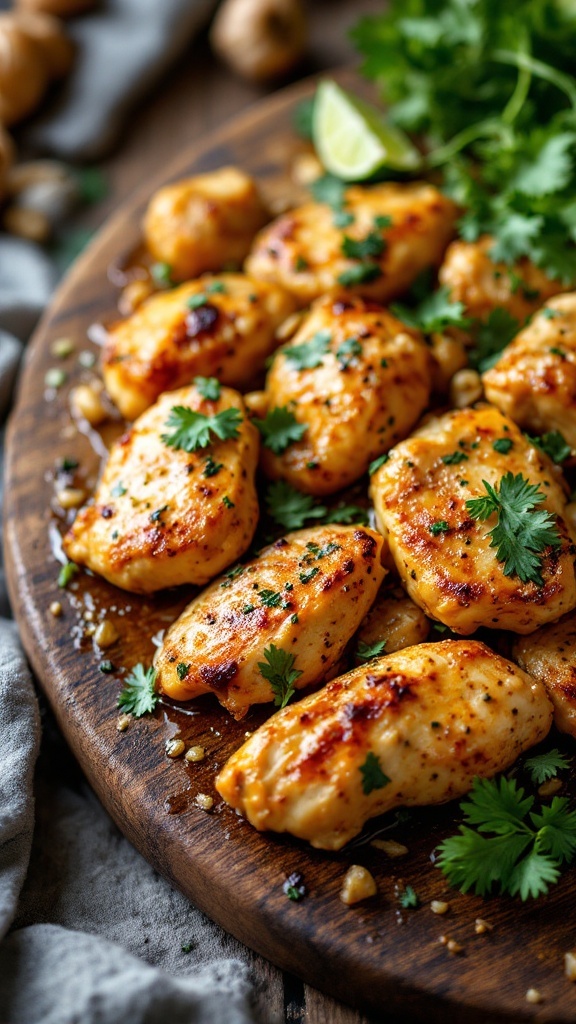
(162,516)
(295,606)
(549,655)
(395,620)
(204,223)
(410,729)
(358,379)
(220,327)
(483,285)
(444,555)
(534,381)
(396,231)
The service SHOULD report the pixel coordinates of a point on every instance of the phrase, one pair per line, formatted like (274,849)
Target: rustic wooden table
(197,96)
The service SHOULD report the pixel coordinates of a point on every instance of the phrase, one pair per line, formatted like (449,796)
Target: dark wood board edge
(229,896)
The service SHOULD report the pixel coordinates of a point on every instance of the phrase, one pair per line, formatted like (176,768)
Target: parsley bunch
(512,847)
(491,88)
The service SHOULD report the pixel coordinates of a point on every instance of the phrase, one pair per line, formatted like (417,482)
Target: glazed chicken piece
(220,327)
(161,516)
(549,655)
(483,285)
(204,223)
(443,555)
(358,379)
(394,620)
(411,729)
(395,232)
(534,381)
(296,605)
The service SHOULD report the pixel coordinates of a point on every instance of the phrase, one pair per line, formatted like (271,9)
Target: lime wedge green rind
(353,141)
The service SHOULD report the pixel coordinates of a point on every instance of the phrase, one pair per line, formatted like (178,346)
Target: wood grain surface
(375,956)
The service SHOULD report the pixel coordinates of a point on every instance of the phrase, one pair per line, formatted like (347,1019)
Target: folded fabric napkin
(88,931)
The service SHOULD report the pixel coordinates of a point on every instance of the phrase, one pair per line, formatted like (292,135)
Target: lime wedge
(352,139)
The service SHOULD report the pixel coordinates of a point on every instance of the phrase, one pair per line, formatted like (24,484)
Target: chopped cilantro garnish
(208,387)
(372,775)
(554,444)
(369,247)
(545,766)
(365,652)
(347,352)
(359,273)
(280,429)
(309,354)
(502,445)
(162,275)
(376,463)
(454,458)
(278,668)
(330,190)
(138,695)
(192,430)
(270,598)
(308,575)
(182,670)
(440,526)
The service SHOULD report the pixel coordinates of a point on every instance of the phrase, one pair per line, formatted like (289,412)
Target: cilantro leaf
(347,352)
(162,275)
(372,775)
(371,245)
(522,533)
(522,852)
(365,652)
(346,514)
(309,354)
(138,696)
(434,313)
(270,598)
(278,669)
(192,430)
(491,337)
(545,766)
(208,387)
(280,429)
(554,445)
(409,899)
(330,190)
(289,508)
(359,273)
(376,463)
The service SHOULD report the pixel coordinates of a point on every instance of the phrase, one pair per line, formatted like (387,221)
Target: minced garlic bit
(56,609)
(70,497)
(204,802)
(550,787)
(570,965)
(439,907)
(533,996)
(481,926)
(86,401)
(106,633)
(194,754)
(391,848)
(358,885)
(123,722)
(174,748)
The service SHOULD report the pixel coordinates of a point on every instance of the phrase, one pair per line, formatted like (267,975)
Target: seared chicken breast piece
(394,620)
(549,655)
(483,285)
(280,621)
(394,232)
(534,381)
(410,729)
(444,556)
(358,379)
(220,327)
(204,223)
(161,516)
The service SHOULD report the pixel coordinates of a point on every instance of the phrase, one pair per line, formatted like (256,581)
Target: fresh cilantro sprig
(138,696)
(545,766)
(209,388)
(365,652)
(309,354)
(434,313)
(372,775)
(491,337)
(280,429)
(292,510)
(278,669)
(512,847)
(522,532)
(191,430)
(553,444)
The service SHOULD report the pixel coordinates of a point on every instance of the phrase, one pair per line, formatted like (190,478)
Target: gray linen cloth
(88,931)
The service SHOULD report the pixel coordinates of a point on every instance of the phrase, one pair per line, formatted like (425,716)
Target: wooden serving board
(375,955)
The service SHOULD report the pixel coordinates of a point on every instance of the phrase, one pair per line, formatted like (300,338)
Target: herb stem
(489,128)
(536,67)
(520,94)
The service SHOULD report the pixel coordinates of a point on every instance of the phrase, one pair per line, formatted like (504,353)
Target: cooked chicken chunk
(358,379)
(220,327)
(474,279)
(395,232)
(534,381)
(549,655)
(395,620)
(410,729)
(444,555)
(204,223)
(162,516)
(294,607)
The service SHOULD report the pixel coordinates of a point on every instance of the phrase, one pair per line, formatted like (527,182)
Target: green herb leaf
(270,598)
(554,444)
(289,508)
(409,900)
(372,245)
(308,575)
(279,670)
(360,273)
(192,430)
(138,696)
(182,670)
(162,275)
(309,354)
(67,573)
(454,458)
(545,766)
(434,313)
(376,463)
(365,652)
(522,532)
(372,775)
(347,352)
(441,526)
(280,429)
(502,445)
(346,514)
(330,190)
(208,387)
(491,338)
